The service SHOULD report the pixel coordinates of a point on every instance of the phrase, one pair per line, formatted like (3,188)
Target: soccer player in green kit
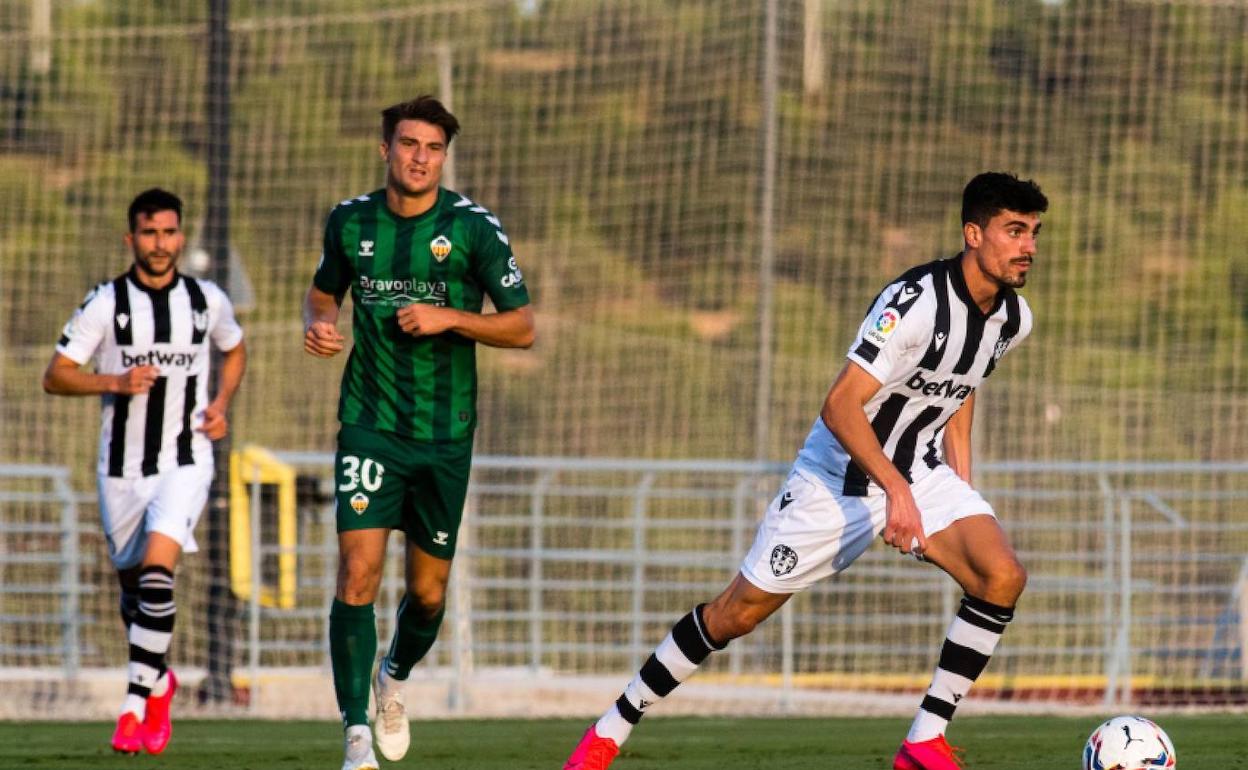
(419,260)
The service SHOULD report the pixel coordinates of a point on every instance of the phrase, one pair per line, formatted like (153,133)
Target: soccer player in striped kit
(889,455)
(149,332)
(418,261)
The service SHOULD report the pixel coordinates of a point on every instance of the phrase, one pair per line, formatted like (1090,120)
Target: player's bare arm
(233,363)
(843,412)
(65,377)
(508,329)
(320,324)
(957,440)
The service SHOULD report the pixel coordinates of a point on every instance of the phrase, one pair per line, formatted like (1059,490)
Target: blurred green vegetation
(622,144)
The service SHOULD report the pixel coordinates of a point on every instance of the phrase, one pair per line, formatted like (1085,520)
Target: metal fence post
(537,505)
(69,576)
(1107,593)
(1124,623)
(639,566)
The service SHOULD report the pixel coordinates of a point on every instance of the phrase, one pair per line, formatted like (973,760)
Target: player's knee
(357,580)
(426,600)
(1007,582)
(728,621)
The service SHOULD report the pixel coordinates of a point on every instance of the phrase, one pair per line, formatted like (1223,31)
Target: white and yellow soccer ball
(1128,743)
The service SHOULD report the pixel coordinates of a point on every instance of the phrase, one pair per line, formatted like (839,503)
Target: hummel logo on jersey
(122,320)
(158,358)
(441,247)
(940,340)
(945,389)
(786,499)
(366,248)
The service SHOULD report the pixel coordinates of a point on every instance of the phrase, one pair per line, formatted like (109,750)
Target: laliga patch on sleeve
(883,326)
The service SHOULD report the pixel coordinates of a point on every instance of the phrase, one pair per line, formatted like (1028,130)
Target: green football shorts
(384,480)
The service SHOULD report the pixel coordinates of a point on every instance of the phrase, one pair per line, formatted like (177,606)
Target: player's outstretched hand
(322,340)
(137,380)
(903,528)
(215,424)
(423,320)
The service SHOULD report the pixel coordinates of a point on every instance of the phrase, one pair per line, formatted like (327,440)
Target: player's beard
(145,263)
(1006,278)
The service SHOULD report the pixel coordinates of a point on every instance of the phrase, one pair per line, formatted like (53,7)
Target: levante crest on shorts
(783,560)
(441,247)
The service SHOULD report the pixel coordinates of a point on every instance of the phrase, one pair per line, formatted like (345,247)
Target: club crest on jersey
(883,326)
(359,502)
(783,560)
(441,247)
(366,248)
(200,319)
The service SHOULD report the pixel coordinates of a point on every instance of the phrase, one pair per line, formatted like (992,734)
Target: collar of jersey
(437,203)
(133,275)
(959,287)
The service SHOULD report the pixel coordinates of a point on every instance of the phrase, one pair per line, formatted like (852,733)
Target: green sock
(414,634)
(352,649)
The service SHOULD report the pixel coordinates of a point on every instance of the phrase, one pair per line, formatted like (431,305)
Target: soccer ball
(1128,743)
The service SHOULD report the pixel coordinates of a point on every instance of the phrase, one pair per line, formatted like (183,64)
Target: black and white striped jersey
(123,324)
(930,346)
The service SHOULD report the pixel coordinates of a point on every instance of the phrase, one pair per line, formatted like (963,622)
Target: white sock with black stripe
(686,646)
(150,634)
(969,644)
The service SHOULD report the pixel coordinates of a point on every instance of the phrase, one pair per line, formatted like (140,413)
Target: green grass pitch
(1203,742)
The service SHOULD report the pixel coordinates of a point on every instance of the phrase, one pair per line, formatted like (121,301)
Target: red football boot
(128,737)
(157,729)
(935,754)
(593,752)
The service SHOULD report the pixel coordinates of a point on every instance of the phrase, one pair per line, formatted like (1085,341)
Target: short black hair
(423,107)
(990,193)
(150,201)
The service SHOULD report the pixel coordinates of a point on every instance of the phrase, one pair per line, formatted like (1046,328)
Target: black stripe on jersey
(190,396)
(901,301)
(199,310)
(154,424)
(162,324)
(443,347)
(970,345)
(1013,320)
(117,442)
(903,454)
(885,420)
(122,321)
(403,266)
(940,328)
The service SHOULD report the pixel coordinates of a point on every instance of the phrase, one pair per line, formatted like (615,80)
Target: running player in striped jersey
(889,454)
(418,260)
(149,332)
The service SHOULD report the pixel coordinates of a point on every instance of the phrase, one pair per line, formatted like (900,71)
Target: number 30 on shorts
(366,474)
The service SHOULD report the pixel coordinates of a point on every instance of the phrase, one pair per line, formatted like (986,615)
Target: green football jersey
(452,256)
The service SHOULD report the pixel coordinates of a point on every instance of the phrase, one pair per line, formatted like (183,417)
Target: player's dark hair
(151,201)
(423,107)
(990,193)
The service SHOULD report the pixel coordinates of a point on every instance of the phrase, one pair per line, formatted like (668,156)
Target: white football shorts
(811,532)
(169,502)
